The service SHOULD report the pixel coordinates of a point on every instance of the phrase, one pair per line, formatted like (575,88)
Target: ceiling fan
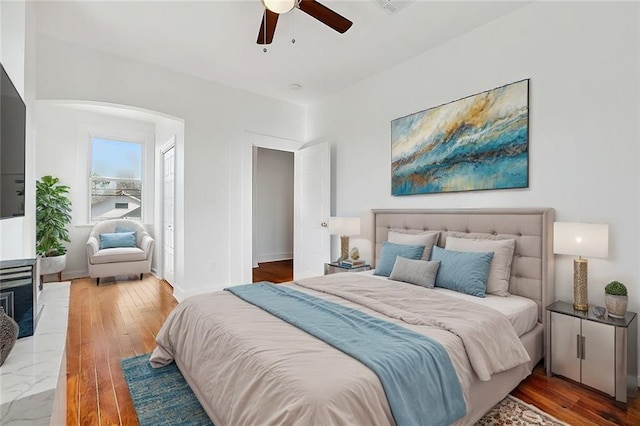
(274,8)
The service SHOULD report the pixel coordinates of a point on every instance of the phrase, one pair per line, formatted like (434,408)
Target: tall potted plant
(53,214)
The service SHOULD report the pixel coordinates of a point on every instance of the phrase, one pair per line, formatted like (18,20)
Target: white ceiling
(216,40)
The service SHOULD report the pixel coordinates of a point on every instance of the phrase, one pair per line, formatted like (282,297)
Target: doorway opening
(273,215)
(312,204)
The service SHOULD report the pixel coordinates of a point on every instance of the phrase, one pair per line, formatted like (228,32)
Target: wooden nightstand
(332,268)
(600,352)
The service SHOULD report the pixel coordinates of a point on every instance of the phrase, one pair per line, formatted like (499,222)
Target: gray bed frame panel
(532,270)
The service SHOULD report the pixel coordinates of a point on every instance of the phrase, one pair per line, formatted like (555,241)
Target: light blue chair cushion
(464,272)
(117,239)
(389,253)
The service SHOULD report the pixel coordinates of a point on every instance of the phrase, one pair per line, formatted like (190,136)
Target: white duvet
(248,367)
(520,311)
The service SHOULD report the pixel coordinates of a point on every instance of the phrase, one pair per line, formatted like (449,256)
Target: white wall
(583,62)
(273,205)
(216,120)
(63,146)
(18,234)
(13,41)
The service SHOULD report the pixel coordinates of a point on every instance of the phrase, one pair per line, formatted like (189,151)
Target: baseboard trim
(274,257)
(72,275)
(180,294)
(84,273)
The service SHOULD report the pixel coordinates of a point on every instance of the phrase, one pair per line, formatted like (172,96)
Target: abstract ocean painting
(475,143)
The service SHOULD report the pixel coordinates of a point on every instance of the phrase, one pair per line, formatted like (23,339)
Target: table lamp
(580,239)
(344,227)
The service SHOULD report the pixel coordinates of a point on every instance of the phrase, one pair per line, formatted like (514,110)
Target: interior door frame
(254,140)
(171,143)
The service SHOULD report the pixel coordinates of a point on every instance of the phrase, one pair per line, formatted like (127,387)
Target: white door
(312,207)
(168,168)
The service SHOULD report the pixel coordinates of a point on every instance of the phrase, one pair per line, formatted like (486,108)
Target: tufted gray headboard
(532,270)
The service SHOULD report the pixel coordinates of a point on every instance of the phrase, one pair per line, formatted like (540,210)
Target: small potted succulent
(615,297)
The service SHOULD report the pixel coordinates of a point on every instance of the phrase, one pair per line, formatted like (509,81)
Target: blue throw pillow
(464,272)
(117,239)
(389,253)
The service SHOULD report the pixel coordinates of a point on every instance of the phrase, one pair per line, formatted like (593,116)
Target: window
(115,180)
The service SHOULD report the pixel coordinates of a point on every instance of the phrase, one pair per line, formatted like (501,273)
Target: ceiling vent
(393,6)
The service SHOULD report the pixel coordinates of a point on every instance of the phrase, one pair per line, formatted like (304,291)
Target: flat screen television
(12,152)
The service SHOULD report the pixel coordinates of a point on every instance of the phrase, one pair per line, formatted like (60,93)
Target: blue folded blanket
(417,375)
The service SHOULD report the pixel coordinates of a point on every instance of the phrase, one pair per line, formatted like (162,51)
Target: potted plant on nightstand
(53,214)
(615,297)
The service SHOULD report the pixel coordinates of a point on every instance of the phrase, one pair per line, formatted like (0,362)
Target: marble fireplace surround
(33,378)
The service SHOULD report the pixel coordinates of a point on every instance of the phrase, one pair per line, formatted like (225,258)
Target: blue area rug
(161,396)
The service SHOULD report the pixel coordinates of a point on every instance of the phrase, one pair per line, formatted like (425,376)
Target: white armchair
(111,262)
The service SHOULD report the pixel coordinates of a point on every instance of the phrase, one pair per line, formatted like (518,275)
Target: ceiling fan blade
(325,15)
(267,27)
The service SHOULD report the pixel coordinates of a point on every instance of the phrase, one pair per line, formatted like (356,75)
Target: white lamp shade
(581,239)
(344,226)
(279,6)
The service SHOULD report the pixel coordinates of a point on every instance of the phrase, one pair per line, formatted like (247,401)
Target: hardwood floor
(120,319)
(276,272)
(574,403)
(107,323)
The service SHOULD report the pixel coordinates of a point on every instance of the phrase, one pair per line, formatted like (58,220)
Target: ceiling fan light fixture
(274,8)
(279,6)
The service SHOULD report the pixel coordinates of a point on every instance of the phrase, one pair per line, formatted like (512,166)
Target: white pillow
(424,238)
(500,270)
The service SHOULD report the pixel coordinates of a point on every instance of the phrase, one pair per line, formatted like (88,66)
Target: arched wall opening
(63,137)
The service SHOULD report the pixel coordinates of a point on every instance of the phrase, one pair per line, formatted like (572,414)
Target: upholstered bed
(247,366)
(532,270)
